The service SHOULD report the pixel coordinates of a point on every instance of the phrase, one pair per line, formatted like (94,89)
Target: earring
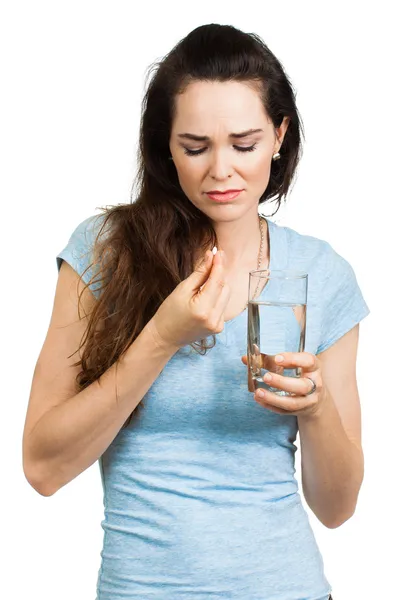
(276,156)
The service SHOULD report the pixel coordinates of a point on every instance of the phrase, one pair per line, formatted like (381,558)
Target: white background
(73,77)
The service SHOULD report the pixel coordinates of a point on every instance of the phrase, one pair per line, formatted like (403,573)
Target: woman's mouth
(223,196)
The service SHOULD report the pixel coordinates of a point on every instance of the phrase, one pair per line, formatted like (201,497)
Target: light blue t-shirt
(200,496)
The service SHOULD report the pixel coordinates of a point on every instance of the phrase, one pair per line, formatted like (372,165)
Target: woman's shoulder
(302,242)
(315,256)
(79,249)
(86,231)
(307,251)
(333,287)
(84,235)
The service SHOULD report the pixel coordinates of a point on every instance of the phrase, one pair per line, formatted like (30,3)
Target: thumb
(202,271)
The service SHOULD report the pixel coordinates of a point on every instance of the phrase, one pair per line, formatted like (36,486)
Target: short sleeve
(79,251)
(342,302)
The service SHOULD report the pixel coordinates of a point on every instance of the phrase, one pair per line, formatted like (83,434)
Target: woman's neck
(241,244)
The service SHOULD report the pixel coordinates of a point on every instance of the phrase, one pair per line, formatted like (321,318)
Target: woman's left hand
(303,402)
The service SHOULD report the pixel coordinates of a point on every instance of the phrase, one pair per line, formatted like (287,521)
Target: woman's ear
(280,133)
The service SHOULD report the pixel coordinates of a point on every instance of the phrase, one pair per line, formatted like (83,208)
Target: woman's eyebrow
(206,138)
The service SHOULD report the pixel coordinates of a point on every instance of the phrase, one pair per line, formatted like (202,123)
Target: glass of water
(276,323)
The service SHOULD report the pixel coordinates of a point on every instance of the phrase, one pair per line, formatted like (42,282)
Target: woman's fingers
(215,283)
(287,404)
(221,304)
(300,386)
(308,362)
(265,361)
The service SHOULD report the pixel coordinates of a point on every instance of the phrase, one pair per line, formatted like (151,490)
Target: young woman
(144,363)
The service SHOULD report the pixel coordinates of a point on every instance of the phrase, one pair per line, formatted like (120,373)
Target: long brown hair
(150,244)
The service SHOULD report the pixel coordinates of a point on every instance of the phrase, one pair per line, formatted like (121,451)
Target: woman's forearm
(332,465)
(72,435)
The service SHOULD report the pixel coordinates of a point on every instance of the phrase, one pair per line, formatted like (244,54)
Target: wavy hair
(152,243)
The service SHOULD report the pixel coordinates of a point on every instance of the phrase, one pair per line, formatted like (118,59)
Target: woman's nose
(220,166)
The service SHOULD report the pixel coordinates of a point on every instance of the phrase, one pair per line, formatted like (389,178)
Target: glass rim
(279,273)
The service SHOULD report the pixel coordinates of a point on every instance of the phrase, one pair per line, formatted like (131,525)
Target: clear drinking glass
(276,323)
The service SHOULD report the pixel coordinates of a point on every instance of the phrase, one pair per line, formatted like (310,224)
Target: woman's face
(214,111)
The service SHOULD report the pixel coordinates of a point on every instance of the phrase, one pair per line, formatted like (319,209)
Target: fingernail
(267,377)
(260,393)
(279,358)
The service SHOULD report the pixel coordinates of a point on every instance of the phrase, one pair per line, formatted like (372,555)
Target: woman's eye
(245,148)
(238,148)
(193,152)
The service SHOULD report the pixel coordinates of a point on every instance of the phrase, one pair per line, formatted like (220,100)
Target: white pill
(215,250)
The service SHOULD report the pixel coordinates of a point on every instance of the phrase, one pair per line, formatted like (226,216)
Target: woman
(199,490)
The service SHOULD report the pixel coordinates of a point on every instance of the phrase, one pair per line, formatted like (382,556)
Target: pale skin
(329,419)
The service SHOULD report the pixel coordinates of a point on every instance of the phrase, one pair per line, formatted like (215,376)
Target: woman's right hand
(190,313)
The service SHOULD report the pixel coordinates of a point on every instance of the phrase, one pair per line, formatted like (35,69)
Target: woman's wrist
(158,342)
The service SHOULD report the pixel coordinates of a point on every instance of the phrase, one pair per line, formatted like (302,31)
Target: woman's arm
(66,432)
(331,452)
